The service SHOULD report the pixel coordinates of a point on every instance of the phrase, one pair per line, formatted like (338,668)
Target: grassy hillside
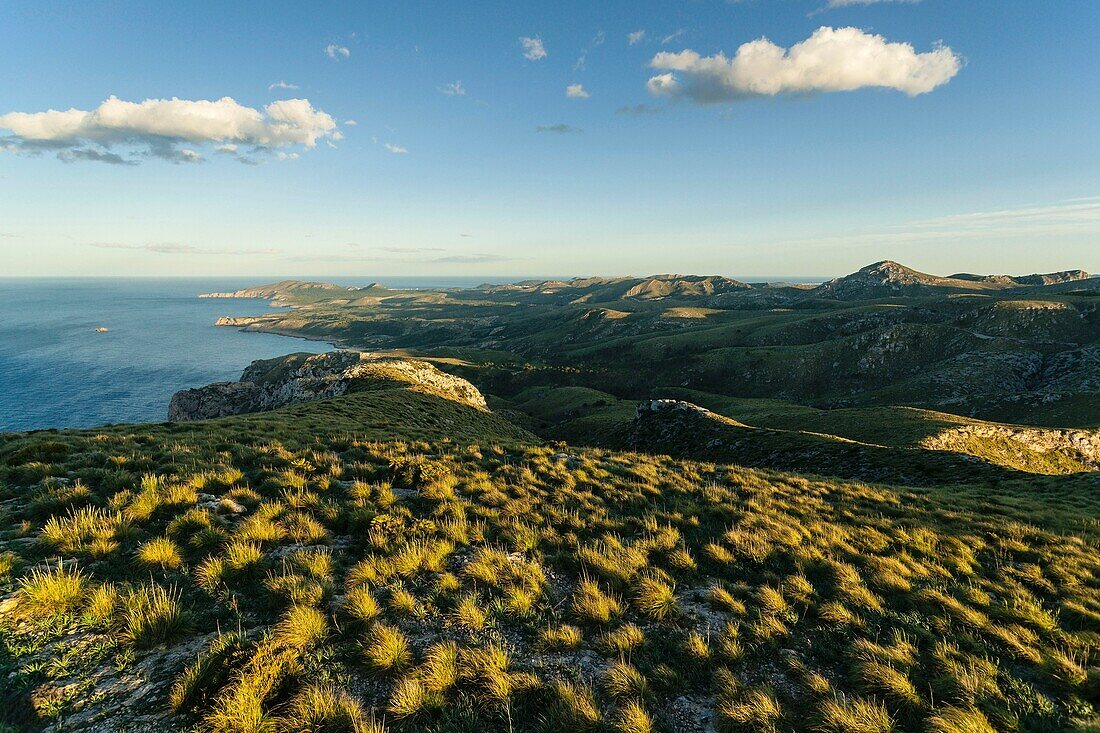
(993,348)
(390,561)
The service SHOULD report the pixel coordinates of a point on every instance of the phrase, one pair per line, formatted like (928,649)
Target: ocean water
(57,372)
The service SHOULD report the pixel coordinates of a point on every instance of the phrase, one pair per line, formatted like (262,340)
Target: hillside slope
(342,565)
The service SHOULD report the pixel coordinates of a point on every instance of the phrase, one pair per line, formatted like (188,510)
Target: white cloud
(533,49)
(159,128)
(281,85)
(846,3)
(336,52)
(635,38)
(350,123)
(1068,218)
(831,60)
(395,148)
(454,89)
(576,91)
(175,248)
(673,36)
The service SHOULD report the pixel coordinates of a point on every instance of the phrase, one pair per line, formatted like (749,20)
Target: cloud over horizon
(163,128)
(559,129)
(830,60)
(175,248)
(847,3)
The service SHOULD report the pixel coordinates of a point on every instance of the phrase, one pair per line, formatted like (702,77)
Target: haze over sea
(57,372)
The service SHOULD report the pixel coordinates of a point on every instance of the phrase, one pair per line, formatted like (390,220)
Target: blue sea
(57,372)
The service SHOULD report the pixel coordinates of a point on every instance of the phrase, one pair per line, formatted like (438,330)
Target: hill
(272,383)
(891,279)
(989,347)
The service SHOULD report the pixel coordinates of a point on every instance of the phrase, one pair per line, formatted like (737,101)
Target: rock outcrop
(1066,451)
(273,383)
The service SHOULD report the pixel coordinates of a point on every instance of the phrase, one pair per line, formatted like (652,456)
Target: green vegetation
(269,574)
(809,524)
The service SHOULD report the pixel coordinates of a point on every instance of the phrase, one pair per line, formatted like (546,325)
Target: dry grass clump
(160,553)
(153,614)
(574,708)
(361,606)
(591,604)
(654,598)
(623,640)
(469,613)
(245,703)
(302,627)
(632,717)
(200,680)
(624,680)
(488,671)
(958,720)
(561,638)
(386,649)
(89,530)
(327,709)
(102,605)
(854,715)
(53,591)
(755,710)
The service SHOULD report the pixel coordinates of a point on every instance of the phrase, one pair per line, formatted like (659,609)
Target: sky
(756,138)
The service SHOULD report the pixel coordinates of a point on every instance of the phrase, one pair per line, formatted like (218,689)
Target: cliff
(273,383)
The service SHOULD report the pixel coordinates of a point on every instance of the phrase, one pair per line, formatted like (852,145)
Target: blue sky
(975,148)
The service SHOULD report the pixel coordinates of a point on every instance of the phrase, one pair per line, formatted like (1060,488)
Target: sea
(56,371)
